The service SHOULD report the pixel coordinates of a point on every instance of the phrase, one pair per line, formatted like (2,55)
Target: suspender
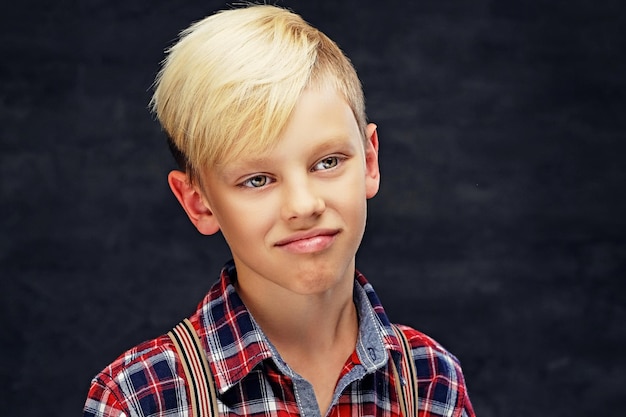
(196,367)
(408,394)
(202,388)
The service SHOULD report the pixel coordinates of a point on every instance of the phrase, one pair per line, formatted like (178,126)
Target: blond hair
(230,83)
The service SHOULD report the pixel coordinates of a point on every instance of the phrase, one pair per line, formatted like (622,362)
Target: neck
(315,333)
(304,323)
(312,325)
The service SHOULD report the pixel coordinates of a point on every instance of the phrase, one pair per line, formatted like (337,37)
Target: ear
(194,204)
(372,171)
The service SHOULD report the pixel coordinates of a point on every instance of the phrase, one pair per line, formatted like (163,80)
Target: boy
(265,116)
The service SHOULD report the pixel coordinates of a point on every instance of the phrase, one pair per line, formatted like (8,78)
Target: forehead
(321,123)
(319,115)
(322,110)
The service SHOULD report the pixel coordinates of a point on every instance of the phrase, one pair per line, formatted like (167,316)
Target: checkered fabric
(252,380)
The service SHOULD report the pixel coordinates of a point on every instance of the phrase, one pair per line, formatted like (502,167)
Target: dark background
(499,229)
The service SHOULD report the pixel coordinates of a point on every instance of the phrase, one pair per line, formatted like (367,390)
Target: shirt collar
(236,344)
(376,336)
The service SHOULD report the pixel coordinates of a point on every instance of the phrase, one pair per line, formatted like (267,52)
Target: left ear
(372,170)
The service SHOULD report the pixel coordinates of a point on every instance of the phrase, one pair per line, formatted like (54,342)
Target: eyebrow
(234,168)
(256,163)
(332,141)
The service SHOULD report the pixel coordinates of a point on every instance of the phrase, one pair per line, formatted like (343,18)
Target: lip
(309,241)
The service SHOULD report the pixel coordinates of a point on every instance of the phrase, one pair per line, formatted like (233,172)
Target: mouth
(308,242)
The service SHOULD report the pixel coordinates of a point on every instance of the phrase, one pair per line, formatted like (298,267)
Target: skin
(293,218)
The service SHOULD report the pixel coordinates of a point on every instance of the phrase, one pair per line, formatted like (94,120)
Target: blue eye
(256,181)
(327,163)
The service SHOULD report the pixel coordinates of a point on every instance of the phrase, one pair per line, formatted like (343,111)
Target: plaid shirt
(252,380)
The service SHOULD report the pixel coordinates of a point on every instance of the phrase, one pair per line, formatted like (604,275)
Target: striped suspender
(408,394)
(197,372)
(202,389)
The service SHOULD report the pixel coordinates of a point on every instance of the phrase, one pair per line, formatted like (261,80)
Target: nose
(301,200)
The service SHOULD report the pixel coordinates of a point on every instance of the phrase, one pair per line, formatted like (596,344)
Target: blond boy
(266,117)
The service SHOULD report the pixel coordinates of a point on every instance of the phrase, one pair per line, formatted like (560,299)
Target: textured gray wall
(499,229)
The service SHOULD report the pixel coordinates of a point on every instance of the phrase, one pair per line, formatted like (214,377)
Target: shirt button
(372,353)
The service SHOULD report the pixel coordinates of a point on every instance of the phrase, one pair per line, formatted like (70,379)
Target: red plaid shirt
(252,380)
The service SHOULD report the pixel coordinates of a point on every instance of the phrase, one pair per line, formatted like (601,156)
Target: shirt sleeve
(440,381)
(467,409)
(102,401)
(144,381)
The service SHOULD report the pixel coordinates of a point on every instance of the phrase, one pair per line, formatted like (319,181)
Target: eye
(326,163)
(256,181)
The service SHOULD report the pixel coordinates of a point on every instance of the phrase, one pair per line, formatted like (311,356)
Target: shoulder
(441,383)
(429,353)
(149,379)
(148,356)
(146,377)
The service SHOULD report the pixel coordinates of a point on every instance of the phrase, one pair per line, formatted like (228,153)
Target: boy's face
(294,216)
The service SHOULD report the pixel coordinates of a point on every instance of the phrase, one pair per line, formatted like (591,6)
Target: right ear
(194,204)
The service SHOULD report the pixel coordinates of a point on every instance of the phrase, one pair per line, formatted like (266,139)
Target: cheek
(353,200)
(233,219)
(249,217)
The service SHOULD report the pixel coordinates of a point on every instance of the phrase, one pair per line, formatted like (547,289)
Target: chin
(318,281)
